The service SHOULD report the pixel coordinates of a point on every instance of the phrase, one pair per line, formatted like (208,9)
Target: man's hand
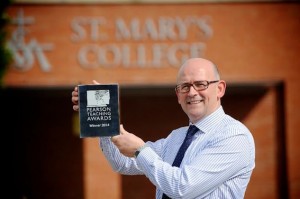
(127,142)
(75,96)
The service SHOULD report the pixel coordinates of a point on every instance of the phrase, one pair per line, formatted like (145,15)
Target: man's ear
(221,89)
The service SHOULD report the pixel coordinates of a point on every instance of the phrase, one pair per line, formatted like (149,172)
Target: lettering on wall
(25,54)
(157,42)
(131,37)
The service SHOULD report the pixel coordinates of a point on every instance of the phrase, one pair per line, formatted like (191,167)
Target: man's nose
(192,91)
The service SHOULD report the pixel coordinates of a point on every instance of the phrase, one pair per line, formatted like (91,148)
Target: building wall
(252,43)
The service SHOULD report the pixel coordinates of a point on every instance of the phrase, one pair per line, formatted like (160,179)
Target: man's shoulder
(230,123)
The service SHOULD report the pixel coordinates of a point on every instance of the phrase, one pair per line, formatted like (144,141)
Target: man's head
(199,103)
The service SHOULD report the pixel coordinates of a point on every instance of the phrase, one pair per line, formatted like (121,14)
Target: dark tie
(186,143)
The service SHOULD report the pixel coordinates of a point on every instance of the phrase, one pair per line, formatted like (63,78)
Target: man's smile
(194,101)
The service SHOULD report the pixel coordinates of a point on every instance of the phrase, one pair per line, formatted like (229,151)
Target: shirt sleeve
(119,162)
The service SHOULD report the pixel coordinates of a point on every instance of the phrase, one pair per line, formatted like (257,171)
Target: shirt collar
(206,124)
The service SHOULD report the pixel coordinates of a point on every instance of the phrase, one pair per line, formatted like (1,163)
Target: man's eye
(199,84)
(185,86)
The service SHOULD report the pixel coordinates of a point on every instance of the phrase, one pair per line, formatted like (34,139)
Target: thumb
(122,130)
(95,82)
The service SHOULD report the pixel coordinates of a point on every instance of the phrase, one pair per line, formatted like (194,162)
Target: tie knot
(192,130)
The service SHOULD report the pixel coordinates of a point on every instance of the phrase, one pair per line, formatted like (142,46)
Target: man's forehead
(194,72)
(196,68)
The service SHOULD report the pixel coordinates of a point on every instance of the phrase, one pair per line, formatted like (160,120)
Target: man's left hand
(127,142)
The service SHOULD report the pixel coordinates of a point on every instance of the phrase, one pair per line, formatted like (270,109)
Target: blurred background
(50,46)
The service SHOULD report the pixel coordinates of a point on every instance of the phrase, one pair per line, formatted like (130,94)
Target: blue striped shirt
(218,163)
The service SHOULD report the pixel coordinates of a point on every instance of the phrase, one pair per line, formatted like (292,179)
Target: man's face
(199,104)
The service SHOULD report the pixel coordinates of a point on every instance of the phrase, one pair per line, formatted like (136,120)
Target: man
(218,162)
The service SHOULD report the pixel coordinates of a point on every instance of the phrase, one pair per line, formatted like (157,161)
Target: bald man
(213,160)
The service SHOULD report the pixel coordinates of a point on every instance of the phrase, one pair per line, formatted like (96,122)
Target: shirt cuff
(146,159)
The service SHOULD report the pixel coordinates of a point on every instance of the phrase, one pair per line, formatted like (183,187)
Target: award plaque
(99,110)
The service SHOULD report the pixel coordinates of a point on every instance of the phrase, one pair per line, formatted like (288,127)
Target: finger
(95,82)
(74,93)
(75,100)
(75,107)
(114,139)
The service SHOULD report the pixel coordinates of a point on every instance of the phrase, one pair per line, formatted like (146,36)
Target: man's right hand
(75,97)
